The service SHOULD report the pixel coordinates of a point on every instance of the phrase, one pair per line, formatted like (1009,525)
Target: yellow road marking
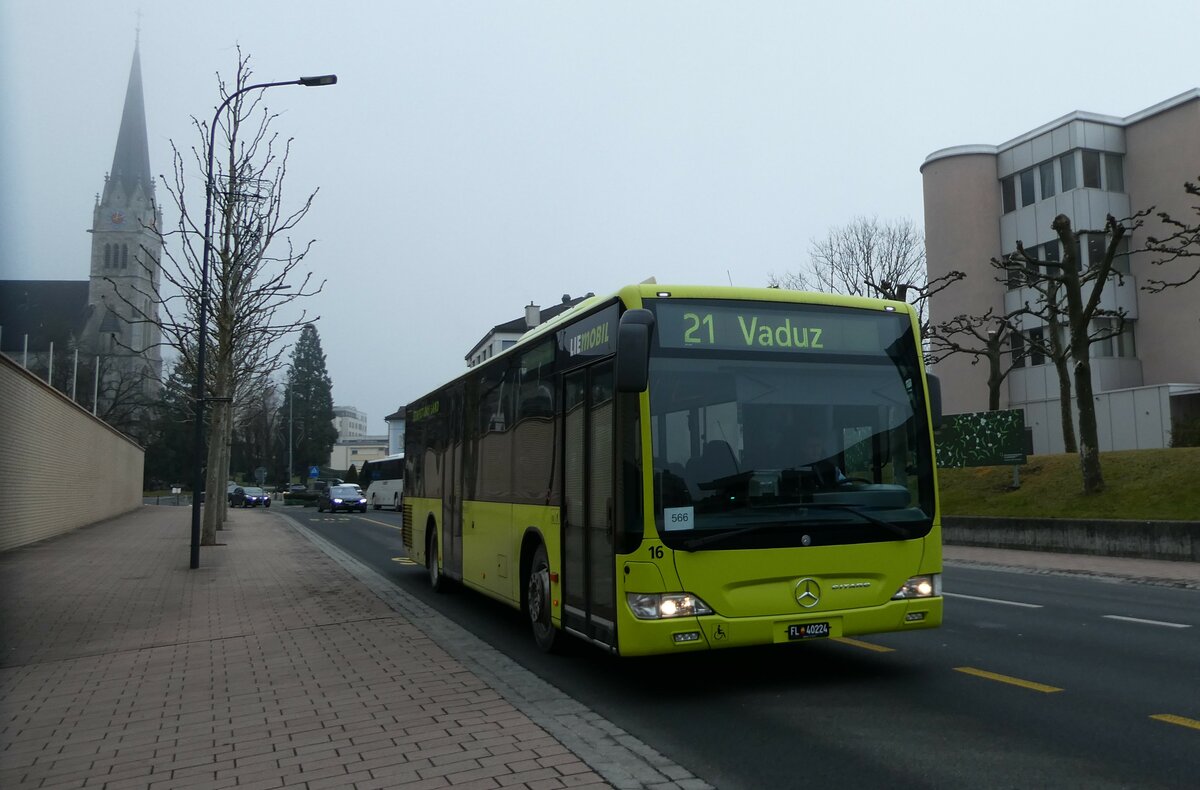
(1170,718)
(1028,684)
(845,640)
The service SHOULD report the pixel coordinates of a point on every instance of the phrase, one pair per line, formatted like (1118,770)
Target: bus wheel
(538,601)
(374,504)
(436,581)
(396,502)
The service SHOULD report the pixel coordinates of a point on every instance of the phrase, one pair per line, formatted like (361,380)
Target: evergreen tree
(352,474)
(311,400)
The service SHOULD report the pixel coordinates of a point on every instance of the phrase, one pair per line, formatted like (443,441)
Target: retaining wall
(60,467)
(1150,540)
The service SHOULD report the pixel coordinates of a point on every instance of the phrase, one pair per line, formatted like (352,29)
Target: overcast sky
(478,156)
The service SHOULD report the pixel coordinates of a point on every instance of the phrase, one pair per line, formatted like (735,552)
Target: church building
(111,319)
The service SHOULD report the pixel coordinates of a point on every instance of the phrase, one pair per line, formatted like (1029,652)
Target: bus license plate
(808,630)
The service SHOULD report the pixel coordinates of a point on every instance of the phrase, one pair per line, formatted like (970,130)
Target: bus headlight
(927,586)
(661,606)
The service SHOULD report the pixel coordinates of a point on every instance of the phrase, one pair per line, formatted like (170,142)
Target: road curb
(1103,576)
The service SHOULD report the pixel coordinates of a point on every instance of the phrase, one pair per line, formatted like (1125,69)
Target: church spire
(131,161)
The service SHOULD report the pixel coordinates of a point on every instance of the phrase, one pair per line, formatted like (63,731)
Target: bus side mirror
(935,400)
(633,350)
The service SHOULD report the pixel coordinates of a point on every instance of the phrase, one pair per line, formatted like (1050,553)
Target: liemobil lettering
(594,338)
(427,411)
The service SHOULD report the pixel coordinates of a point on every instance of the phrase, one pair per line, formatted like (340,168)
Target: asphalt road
(1034,680)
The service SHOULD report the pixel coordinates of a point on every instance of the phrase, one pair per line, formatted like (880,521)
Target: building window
(1120,345)
(1114,172)
(107,256)
(1036,340)
(1018,349)
(1050,252)
(1027,196)
(1016,278)
(1125,347)
(1066,171)
(1097,245)
(1091,169)
(1102,347)
(1008,190)
(1046,172)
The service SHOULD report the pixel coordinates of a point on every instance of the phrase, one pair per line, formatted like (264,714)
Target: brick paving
(269,666)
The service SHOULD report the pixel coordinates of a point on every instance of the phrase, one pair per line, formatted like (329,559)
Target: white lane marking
(1145,622)
(993,600)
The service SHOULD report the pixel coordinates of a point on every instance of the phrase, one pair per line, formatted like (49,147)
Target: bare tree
(1182,241)
(256,272)
(1081,288)
(986,337)
(869,258)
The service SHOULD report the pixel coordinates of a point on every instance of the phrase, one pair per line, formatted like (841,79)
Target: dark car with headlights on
(343,497)
(249,496)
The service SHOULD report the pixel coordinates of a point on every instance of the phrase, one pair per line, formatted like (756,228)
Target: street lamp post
(202,322)
(291,397)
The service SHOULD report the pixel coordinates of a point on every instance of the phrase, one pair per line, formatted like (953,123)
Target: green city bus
(678,468)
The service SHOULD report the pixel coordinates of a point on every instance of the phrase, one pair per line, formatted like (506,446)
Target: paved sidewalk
(277,663)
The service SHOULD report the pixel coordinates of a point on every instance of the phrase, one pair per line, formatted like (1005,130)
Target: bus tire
(437,582)
(374,503)
(537,601)
(396,502)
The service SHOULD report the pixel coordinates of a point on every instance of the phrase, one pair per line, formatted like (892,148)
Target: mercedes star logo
(808,593)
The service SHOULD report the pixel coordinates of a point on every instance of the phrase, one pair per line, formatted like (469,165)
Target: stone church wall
(60,467)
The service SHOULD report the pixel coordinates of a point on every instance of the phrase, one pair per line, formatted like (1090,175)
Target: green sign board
(982,438)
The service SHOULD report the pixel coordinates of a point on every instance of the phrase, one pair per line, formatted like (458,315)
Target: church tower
(126,256)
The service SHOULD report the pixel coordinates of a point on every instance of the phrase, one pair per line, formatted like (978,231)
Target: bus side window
(536,406)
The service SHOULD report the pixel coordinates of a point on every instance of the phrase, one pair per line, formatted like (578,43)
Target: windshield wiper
(864,515)
(696,543)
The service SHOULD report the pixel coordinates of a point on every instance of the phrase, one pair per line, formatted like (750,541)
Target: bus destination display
(753,327)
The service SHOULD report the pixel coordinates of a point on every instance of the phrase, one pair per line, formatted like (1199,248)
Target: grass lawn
(1140,485)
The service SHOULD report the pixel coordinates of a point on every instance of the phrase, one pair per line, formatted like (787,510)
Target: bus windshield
(787,425)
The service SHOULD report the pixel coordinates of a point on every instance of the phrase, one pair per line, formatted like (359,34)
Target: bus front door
(588,497)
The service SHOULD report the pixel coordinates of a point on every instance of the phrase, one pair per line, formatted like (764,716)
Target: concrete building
(349,422)
(354,452)
(980,200)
